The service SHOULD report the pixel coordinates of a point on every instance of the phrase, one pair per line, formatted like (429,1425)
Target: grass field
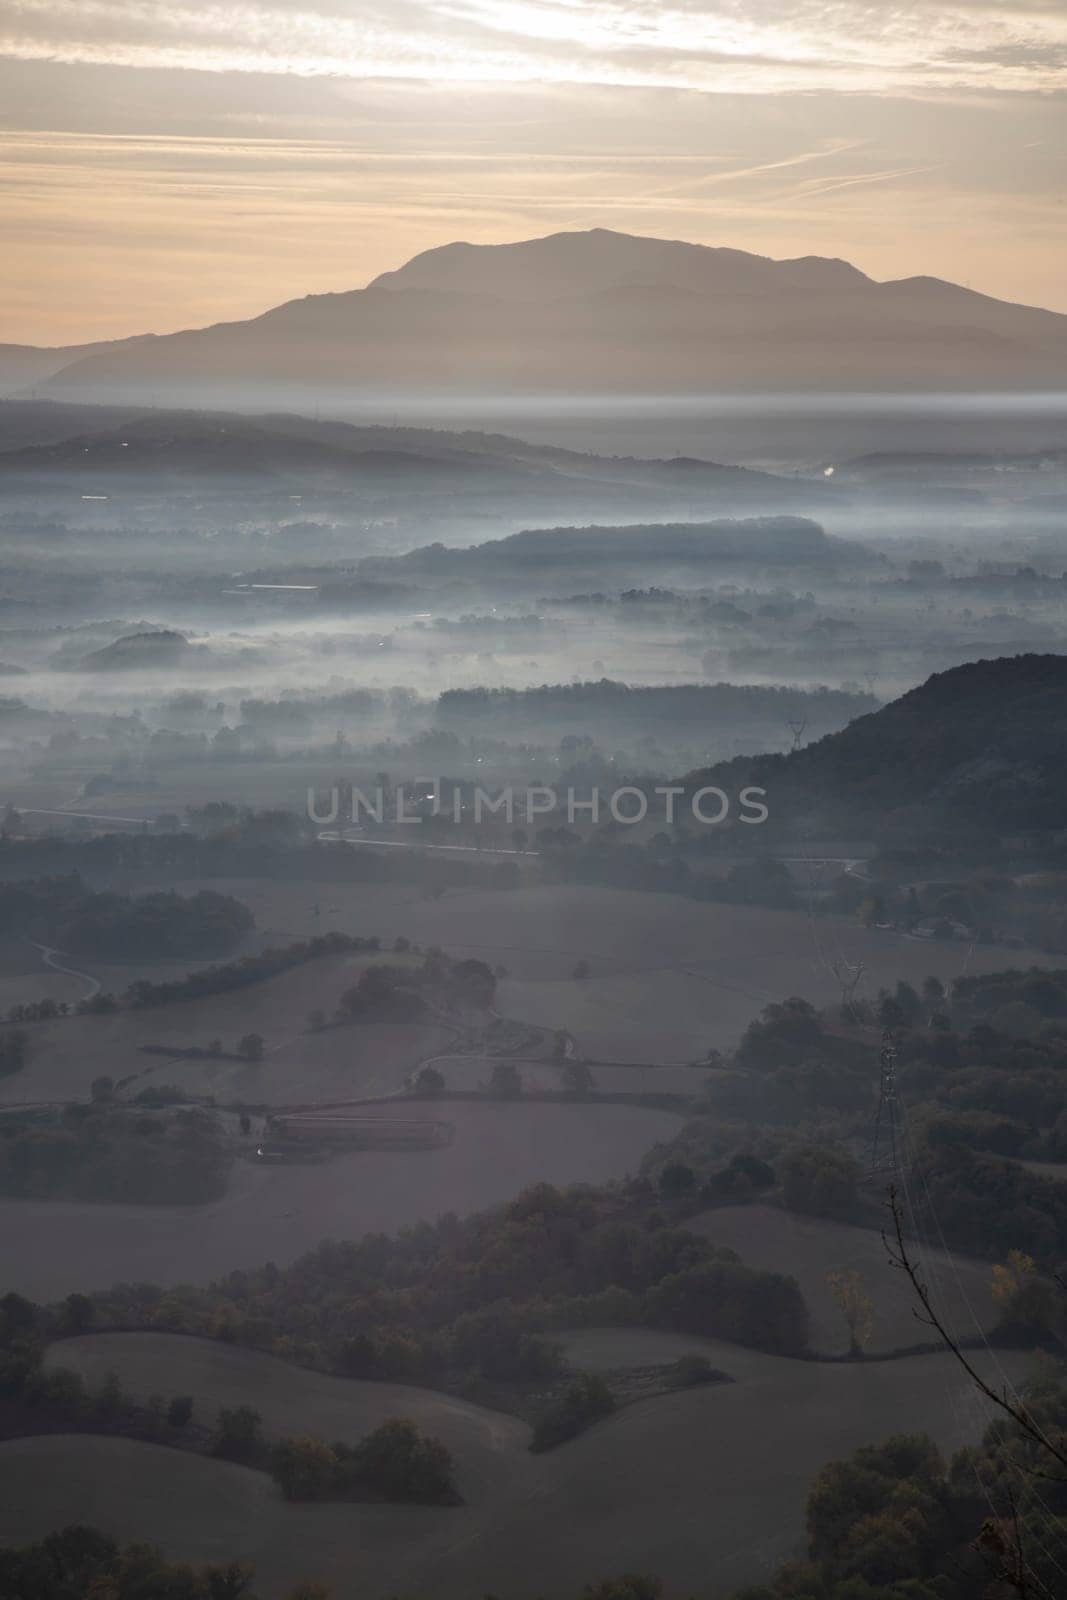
(276,1213)
(293,1400)
(474,1071)
(810,1247)
(24,977)
(655,1488)
(348,1061)
(669,976)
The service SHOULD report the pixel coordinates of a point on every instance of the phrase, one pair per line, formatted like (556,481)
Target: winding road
(51,959)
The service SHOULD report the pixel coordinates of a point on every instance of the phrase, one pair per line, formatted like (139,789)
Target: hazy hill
(594,312)
(24,366)
(613,555)
(983,745)
(43,444)
(160,649)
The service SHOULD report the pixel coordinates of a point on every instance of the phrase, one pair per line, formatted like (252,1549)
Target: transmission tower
(796,726)
(885,1152)
(849,975)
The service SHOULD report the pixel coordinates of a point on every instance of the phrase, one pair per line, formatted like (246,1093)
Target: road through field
(51,959)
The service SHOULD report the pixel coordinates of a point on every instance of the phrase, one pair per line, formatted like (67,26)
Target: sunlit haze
(170,166)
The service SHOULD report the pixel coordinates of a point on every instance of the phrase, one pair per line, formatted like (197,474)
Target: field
(669,976)
(808,1248)
(298,1064)
(474,1072)
(654,1488)
(24,977)
(276,1213)
(292,1400)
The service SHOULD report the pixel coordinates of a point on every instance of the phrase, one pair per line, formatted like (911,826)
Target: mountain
(594,312)
(981,746)
(25,366)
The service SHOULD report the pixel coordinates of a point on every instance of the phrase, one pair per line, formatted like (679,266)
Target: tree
(1001,1540)
(505,1082)
(251,1047)
(109,1399)
(933,994)
(909,1002)
(584,1402)
(691,1370)
(305,1468)
(429,1083)
(77,1314)
(677,1179)
(890,1012)
(230,1581)
(1028,1305)
(180,1411)
(786,1031)
(855,1306)
(629,1586)
(404,1464)
(237,1435)
(819,1180)
(472,983)
(578,1081)
(101,1090)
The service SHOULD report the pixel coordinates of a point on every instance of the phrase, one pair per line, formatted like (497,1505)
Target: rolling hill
(53,448)
(982,746)
(585,312)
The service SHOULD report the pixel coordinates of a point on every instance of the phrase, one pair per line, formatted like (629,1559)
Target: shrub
(583,1402)
(690,1370)
(180,1411)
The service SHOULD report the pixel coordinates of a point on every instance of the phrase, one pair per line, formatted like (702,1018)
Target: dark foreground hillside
(983,746)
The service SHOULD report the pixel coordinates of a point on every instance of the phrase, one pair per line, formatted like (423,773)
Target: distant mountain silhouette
(44,445)
(982,746)
(595,312)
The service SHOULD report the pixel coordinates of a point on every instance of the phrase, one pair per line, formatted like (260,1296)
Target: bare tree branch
(897,1250)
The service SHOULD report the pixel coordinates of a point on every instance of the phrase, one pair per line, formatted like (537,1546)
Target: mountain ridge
(593,311)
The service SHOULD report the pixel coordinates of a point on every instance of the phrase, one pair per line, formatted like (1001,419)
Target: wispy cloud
(176,164)
(719,45)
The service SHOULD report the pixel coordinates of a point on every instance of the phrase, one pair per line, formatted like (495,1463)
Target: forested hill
(984,744)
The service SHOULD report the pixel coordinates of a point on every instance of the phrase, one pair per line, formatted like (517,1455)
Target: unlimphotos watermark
(425,798)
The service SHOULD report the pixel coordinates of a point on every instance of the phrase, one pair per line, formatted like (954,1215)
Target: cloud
(728,45)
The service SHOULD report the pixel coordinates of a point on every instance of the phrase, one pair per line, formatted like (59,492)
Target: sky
(172,165)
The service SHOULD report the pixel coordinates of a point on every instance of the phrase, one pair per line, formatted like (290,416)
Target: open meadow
(299,1062)
(706,1486)
(488,1447)
(669,976)
(277,1212)
(807,1248)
